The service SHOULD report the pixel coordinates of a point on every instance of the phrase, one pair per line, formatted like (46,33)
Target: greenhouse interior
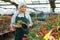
(42,20)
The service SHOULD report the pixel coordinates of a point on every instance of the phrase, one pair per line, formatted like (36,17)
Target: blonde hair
(21,4)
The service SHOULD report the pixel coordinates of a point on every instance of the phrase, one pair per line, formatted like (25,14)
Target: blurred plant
(41,29)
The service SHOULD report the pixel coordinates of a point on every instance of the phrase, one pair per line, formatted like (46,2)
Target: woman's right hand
(17,26)
(12,28)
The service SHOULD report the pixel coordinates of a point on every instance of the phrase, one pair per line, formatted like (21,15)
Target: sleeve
(29,18)
(13,20)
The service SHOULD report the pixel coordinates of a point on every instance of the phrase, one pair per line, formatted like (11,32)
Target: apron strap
(24,15)
(17,15)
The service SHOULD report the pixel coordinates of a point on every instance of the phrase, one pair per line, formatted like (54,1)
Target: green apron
(19,33)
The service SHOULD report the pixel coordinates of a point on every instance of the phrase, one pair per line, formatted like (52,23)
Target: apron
(19,32)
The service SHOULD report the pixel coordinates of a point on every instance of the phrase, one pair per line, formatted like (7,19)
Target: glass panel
(2,2)
(57,1)
(57,10)
(34,0)
(38,6)
(44,9)
(57,5)
(28,1)
(12,6)
(18,1)
(44,1)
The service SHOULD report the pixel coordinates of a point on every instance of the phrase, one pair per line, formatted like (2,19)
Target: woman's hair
(21,4)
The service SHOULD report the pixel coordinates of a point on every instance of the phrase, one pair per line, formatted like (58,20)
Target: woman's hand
(12,28)
(25,34)
(17,26)
(28,25)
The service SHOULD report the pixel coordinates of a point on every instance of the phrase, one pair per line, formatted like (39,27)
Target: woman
(22,29)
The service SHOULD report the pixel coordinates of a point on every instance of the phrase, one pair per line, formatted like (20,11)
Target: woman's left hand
(28,25)
(25,34)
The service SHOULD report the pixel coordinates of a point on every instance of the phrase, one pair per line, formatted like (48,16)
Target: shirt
(21,15)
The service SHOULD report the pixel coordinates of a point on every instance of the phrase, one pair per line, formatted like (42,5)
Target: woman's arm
(29,18)
(13,20)
(12,25)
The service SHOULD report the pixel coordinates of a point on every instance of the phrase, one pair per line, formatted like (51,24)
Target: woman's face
(22,8)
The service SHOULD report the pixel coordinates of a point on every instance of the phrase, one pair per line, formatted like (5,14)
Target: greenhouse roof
(41,5)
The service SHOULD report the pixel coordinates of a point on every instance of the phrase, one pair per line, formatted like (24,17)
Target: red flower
(51,38)
(58,32)
(54,26)
(39,35)
(45,31)
(54,19)
(24,38)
